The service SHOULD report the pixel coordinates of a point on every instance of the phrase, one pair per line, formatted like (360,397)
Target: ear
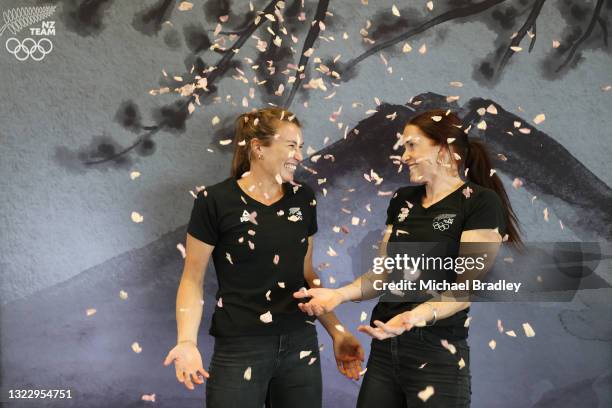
(255,145)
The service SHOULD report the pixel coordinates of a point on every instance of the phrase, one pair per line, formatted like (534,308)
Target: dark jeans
(279,378)
(394,378)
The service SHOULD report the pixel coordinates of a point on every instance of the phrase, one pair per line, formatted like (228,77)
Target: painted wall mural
(134,105)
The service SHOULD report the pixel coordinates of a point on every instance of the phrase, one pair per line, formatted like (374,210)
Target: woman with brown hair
(455,207)
(258,226)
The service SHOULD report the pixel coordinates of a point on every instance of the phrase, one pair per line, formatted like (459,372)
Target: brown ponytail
(479,168)
(440,126)
(260,124)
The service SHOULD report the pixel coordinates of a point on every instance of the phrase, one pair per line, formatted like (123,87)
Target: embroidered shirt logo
(245,216)
(443,222)
(295,214)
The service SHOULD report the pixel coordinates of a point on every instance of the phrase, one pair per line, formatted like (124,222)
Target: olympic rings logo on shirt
(29,48)
(443,222)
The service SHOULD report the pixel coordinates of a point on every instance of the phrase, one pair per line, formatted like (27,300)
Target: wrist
(344,294)
(187,341)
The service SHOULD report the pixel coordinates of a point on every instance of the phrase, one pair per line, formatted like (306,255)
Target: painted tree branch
(604,29)
(311,37)
(584,36)
(222,67)
(453,14)
(530,22)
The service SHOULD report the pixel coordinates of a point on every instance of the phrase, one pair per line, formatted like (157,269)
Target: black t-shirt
(442,224)
(258,256)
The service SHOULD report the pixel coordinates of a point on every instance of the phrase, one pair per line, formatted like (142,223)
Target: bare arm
(190,299)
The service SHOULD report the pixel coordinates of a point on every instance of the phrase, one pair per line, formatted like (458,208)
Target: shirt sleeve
(485,211)
(392,210)
(203,221)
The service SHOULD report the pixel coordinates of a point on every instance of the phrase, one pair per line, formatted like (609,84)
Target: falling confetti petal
(149,398)
(448,346)
(340,328)
(492,344)
(539,119)
(511,333)
(137,218)
(123,295)
(275,260)
(528,330)
(134,175)
(467,321)
(436,118)
(136,347)
(461,363)
(281,285)
(266,317)
(482,125)
(181,249)
(426,393)
(516,49)
(395,11)
(516,183)
(90,312)
(545,211)
(430,5)
(220,302)
(268,295)
(228,256)
(215,120)
(406,48)
(467,192)
(312,360)
(185,6)
(304,354)
(423,49)
(247,374)
(556,44)
(363,317)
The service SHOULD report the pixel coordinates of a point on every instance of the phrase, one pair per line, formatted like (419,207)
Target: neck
(260,183)
(440,186)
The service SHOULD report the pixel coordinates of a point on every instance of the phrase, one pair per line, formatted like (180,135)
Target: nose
(298,154)
(406,156)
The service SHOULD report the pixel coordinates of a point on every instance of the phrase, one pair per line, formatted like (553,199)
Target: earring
(260,156)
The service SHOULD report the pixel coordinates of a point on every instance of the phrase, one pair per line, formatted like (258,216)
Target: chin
(286,176)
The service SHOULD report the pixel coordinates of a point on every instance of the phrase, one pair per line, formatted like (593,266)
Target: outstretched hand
(322,300)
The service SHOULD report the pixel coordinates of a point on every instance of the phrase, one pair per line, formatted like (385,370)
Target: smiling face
(421,155)
(284,153)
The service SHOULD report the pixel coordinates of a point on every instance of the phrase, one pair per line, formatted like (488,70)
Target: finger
(308,308)
(203,372)
(188,382)
(318,310)
(169,359)
(341,367)
(356,368)
(360,354)
(301,294)
(195,378)
(180,375)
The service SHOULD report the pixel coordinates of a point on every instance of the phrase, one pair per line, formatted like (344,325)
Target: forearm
(329,320)
(362,288)
(189,306)
(443,309)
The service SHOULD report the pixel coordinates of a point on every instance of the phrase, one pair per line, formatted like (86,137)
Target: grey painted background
(69,244)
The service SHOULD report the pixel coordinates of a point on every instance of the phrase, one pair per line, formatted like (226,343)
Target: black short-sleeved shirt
(258,256)
(442,223)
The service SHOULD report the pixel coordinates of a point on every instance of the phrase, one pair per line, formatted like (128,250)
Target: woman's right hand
(188,364)
(323,300)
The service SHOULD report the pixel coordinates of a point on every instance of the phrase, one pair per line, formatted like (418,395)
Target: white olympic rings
(29,48)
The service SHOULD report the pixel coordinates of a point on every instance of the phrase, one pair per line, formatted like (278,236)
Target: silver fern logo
(36,46)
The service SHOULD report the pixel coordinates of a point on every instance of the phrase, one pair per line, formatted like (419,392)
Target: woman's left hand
(394,327)
(349,355)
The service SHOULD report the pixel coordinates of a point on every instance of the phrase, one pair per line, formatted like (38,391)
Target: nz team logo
(295,214)
(35,45)
(443,222)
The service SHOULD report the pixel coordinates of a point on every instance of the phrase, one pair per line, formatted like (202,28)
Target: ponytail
(478,166)
(260,124)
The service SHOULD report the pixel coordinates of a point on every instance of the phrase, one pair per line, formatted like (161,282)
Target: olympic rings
(442,224)
(29,48)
